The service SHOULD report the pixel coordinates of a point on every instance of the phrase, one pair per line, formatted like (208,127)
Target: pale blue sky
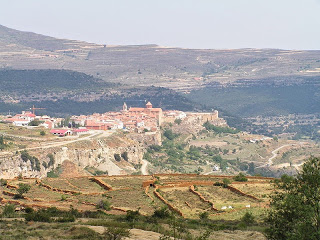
(287,24)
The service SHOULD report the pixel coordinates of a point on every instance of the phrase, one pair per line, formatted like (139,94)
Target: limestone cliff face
(96,153)
(12,166)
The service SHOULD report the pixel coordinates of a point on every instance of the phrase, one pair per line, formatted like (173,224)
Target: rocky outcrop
(95,153)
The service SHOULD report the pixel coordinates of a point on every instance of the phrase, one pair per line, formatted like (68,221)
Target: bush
(169,134)
(47,215)
(42,133)
(226,182)
(3,182)
(23,188)
(34,123)
(104,204)
(218,184)
(113,233)
(163,212)
(155,148)
(216,129)
(132,215)
(247,219)
(204,215)
(8,211)
(240,178)
(38,216)
(178,121)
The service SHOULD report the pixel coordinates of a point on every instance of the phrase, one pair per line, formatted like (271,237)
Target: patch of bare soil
(70,170)
(208,143)
(138,234)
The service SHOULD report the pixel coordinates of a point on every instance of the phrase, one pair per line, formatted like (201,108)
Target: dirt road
(62,142)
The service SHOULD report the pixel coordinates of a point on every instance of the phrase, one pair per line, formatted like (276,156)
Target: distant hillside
(35,81)
(146,65)
(266,97)
(64,92)
(33,40)
(242,82)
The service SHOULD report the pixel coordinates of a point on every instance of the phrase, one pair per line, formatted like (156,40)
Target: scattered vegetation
(216,129)
(35,163)
(240,178)
(22,189)
(295,210)
(104,204)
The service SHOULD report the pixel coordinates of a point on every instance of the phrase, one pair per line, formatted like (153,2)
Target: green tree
(226,182)
(295,208)
(23,188)
(178,121)
(240,178)
(34,123)
(8,211)
(104,204)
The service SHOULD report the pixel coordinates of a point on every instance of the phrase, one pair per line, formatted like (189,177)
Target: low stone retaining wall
(101,183)
(202,198)
(171,207)
(146,191)
(56,189)
(237,191)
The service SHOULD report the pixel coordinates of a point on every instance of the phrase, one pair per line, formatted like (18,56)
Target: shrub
(132,215)
(248,219)
(42,133)
(3,182)
(155,148)
(216,129)
(28,210)
(178,121)
(163,212)
(34,123)
(38,216)
(240,178)
(218,184)
(226,182)
(83,233)
(113,233)
(104,204)
(169,134)
(23,188)
(204,215)
(8,211)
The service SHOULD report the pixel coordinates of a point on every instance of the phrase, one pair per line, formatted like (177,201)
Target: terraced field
(189,195)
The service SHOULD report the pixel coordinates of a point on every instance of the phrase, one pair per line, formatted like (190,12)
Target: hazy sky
(288,24)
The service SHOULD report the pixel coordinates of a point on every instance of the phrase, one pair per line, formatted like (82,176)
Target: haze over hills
(176,68)
(243,82)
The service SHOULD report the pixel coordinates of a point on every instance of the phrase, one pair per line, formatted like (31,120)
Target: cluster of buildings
(133,118)
(138,119)
(26,117)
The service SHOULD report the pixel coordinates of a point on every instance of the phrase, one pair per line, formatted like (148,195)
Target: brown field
(138,192)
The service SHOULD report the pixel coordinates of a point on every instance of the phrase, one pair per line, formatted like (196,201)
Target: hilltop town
(133,119)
